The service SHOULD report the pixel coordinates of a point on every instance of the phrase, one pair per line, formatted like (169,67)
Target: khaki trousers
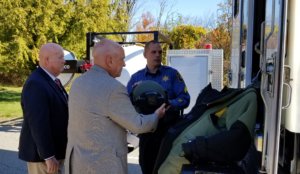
(41,167)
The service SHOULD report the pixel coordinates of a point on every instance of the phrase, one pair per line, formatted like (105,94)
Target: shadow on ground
(10,164)
(9,161)
(13,125)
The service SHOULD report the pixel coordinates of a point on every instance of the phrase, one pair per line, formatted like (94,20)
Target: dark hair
(148,44)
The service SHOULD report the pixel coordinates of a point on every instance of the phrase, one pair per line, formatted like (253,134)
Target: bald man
(100,113)
(44,103)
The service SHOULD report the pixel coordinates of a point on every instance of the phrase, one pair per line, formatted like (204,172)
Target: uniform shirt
(169,79)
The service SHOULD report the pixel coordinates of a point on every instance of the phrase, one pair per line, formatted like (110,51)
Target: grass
(10,106)
(10,97)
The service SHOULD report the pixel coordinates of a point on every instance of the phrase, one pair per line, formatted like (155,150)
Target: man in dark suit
(44,103)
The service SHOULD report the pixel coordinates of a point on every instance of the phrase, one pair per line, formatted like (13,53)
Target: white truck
(264,52)
(265,43)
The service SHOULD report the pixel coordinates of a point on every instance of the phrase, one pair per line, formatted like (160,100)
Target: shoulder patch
(185,90)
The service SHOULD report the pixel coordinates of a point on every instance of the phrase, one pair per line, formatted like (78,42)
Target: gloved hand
(172,115)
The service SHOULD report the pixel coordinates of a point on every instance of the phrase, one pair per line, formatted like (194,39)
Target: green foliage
(27,24)
(186,36)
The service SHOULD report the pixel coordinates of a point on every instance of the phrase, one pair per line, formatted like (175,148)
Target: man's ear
(109,61)
(46,61)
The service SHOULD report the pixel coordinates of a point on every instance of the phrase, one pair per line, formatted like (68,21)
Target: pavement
(11,164)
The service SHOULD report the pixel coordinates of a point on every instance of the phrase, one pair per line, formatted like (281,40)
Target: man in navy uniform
(178,99)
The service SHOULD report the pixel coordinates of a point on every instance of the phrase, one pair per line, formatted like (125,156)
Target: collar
(99,68)
(50,75)
(157,72)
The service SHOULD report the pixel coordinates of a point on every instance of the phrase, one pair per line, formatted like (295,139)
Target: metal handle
(287,80)
(289,96)
(257,48)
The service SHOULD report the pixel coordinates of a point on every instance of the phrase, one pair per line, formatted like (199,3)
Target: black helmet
(147,96)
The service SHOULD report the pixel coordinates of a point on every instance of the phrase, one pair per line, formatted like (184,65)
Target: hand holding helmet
(160,112)
(148,97)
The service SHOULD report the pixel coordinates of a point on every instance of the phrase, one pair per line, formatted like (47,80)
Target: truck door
(235,69)
(247,17)
(272,47)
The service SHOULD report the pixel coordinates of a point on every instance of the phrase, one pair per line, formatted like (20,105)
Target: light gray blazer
(100,111)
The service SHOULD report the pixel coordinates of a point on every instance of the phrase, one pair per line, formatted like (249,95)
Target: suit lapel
(54,86)
(58,91)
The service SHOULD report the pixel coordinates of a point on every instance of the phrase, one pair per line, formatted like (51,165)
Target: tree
(147,23)
(132,8)
(165,12)
(225,15)
(85,17)
(24,26)
(220,37)
(224,30)
(207,21)
(27,24)
(186,36)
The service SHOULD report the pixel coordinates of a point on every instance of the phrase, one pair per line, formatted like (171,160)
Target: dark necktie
(57,81)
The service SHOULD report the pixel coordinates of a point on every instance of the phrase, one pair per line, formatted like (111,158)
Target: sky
(187,8)
(196,7)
